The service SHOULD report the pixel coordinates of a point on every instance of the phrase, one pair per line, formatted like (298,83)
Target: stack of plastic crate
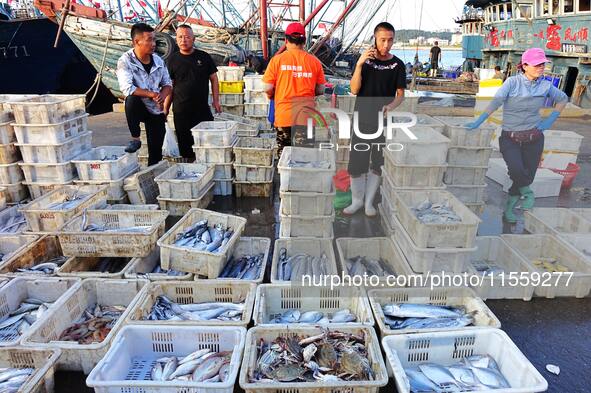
(214,143)
(11,175)
(254,166)
(345,103)
(231,93)
(468,159)
(51,130)
(256,102)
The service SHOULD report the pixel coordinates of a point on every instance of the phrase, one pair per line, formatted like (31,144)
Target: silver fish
(165,309)
(195,355)
(208,369)
(294,268)
(14,224)
(247,267)
(439,213)
(411,310)
(309,164)
(169,368)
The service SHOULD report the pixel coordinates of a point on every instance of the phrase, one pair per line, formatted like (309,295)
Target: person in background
(192,71)
(378,81)
(498,73)
(293,79)
(435,55)
(144,80)
(522,139)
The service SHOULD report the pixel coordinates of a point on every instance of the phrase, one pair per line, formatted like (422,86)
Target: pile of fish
(181,174)
(201,237)
(330,356)
(170,272)
(14,224)
(435,213)
(112,157)
(11,379)
(373,267)
(294,267)
(165,309)
(109,265)
(200,366)
(309,164)
(50,266)
(486,268)
(472,373)
(19,320)
(425,316)
(68,202)
(551,265)
(247,267)
(295,316)
(94,325)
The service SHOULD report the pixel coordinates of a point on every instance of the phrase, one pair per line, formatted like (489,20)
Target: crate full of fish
(555,221)
(309,204)
(455,129)
(25,300)
(305,226)
(214,133)
(306,169)
(214,154)
(141,187)
(180,207)
(463,360)
(436,219)
(169,359)
(49,173)
(53,210)
(468,194)
(12,221)
(248,262)
(15,193)
(428,148)
(555,260)
(469,156)
(112,233)
(201,302)
(48,108)
(374,256)
(255,151)
(9,153)
(94,267)
(41,257)
(422,309)
(84,322)
(149,268)
(287,304)
(10,173)
(414,176)
(494,258)
(12,245)
(423,260)
(253,173)
(293,259)
(465,175)
(201,242)
(43,153)
(105,163)
(185,181)
(28,369)
(309,359)
(51,133)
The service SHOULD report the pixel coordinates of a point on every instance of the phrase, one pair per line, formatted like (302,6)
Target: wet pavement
(548,331)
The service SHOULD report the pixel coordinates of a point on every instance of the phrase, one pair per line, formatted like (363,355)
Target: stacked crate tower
(231,90)
(256,102)
(254,166)
(11,175)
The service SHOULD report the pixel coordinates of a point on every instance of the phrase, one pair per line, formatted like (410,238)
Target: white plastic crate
(7,134)
(253,173)
(141,187)
(241,120)
(469,156)
(305,226)
(256,109)
(180,207)
(274,299)
(256,97)
(222,187)
(42,219)
(446,348)
(440,296)
(98,165)
(532,247)
(255,151)
(476,208)
(271,333)
(388,188)
(546,183)
(430,147)
(230,73)
(385,220)
(495,251)
(254,189)
(194,292)
(10,173)
(562,141)
(346,103)
(253,82)
(93,291)
(51,133)
(468,194)
(310,246)
(173,188)
(9,154)
(14,244)
(373,248)
(36,251)
(214,155)
(214,133)
(464,175)
(231,99)
(423,260)
(53,154)
(461,234)
(48,109)
(200,262)
(127,365)
(42,361)
(580,241)
(223,171)
(307,204)
(250,246)
(459,135)
(414,176)
(86,267)
(141,268)
(17,219)
(583,212)
(306,179)
(37,190)
(262,122)
(49,173)
(16,291)
(555,221)
(235,110)
(118,243)
(16,192)
(115,190)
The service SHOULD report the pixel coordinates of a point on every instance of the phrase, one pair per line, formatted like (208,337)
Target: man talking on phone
(378,81)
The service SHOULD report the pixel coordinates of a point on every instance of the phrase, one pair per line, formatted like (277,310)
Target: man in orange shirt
(293,78)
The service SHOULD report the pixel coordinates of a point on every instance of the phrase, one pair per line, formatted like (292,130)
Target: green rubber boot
(508,214)
(528,198)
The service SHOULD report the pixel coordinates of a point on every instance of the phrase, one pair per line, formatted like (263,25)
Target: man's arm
(125,79)
(215,92)
(168,101)
(396,101)
(319,90)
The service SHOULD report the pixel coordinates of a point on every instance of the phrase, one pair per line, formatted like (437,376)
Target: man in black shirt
(435,59)
(378,81)
(191,71)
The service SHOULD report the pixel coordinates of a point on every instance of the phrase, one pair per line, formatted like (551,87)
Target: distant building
(456,39)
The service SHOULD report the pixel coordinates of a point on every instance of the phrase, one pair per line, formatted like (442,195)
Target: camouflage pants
(293,136)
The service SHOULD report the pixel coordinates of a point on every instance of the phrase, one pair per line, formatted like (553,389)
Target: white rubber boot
(371,188)
(357,193)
